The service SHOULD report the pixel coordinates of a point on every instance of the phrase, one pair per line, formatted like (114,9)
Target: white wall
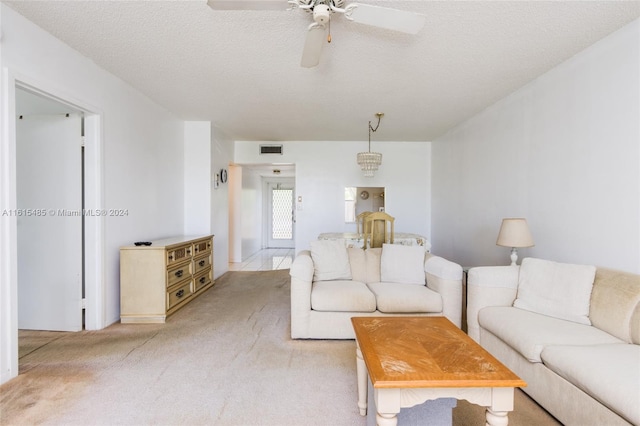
(564,152)
(207,151)
(140,156)
(221,157)
(324,169)
(197,177)
(235,213)
(250,223)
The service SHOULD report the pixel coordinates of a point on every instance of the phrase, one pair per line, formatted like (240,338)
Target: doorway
(49,214)
(261,210)
(95,317)
(280,214)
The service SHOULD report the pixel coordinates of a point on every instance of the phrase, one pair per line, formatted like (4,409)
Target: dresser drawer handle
(180,293)
(179,273)
(170,257)
(202,280)
(201,263)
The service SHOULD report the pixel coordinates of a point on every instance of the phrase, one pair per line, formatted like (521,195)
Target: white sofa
(572,332)
(330,284)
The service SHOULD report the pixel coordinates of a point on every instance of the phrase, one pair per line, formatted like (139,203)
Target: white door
(280,215)
(49,198)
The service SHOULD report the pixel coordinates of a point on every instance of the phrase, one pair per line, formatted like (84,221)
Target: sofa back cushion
(402,264)
(365,264)
(615,300)
(330,260)
(373,256)
(559,290)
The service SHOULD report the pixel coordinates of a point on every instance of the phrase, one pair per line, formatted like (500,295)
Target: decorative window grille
(282,210)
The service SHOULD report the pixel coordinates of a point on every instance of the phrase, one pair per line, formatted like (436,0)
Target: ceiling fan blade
(248,4)
(313,46)
(382,17)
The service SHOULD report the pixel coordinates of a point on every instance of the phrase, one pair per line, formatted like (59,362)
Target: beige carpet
(225,359)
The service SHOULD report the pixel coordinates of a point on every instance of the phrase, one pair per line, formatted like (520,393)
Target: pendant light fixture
(370,161)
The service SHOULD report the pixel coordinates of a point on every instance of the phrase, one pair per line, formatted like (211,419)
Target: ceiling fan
(376,16)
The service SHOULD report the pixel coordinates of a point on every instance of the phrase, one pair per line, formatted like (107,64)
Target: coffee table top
(426,352)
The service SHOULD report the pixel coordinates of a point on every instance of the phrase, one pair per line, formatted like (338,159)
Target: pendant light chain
(371,129)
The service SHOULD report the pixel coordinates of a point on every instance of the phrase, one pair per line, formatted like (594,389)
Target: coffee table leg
(501,404)
(497,418)
(386,419)
(363,378)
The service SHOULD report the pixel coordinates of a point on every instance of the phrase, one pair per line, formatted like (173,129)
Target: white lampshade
(515,232)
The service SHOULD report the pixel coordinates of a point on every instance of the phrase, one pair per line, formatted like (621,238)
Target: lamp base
(514,256)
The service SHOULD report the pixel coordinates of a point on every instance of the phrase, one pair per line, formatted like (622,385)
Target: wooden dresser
(157,280)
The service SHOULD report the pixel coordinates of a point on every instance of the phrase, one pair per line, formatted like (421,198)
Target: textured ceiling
(241,69)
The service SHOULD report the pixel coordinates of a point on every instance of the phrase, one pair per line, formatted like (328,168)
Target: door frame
(94,264)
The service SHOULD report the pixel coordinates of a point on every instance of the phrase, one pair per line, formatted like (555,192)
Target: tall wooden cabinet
(159,279)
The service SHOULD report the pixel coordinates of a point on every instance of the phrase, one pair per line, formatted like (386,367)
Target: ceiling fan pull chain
(329,33)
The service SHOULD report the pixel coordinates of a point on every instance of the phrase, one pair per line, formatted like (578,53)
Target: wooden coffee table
(411,360)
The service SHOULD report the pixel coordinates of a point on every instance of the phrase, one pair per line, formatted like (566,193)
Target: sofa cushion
(342,296)
(560,290)
(609,373)
(358,263)
(397,298)
(529,332)
(373,256)
(614,297)
(330,260)
(402,264)
(365,264)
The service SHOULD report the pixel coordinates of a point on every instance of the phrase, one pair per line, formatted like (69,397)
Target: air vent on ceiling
(271,149)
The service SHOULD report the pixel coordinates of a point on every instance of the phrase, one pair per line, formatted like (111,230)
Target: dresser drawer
(179,273)
(201,263)
(202,280)
(201,246)
(178,254)
(178,294)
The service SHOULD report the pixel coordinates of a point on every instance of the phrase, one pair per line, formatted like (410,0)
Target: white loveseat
(330,284)
(572,332)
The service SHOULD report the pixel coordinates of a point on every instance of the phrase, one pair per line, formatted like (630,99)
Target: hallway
(265,260)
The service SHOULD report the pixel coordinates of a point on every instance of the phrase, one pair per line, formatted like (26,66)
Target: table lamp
(514,233)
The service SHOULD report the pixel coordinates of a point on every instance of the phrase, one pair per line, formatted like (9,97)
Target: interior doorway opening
(49,214)
(261,209)
(88,309)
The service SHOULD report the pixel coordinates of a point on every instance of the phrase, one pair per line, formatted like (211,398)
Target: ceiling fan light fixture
(321,14)
(370,161)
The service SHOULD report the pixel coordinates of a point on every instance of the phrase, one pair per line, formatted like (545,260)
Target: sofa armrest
(302,266)
(489,286)
(301,272)
(445,277)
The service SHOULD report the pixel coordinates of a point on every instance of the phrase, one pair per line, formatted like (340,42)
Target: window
(350,204)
